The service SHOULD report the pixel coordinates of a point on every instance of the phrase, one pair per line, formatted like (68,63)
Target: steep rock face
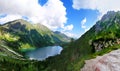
(107,62)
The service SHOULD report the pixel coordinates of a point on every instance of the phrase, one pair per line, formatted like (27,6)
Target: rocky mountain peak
(110,19)
(108,16)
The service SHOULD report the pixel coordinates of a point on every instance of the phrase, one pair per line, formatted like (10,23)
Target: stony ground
(107,62)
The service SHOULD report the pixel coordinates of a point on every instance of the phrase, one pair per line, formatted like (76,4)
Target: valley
(60,35)
(19,37)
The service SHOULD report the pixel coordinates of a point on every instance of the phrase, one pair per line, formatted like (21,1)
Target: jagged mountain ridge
(105,33)
(108,20)
(105,30)
(107,39)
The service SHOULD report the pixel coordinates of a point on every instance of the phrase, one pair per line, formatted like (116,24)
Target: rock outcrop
(107,62)
(98,45)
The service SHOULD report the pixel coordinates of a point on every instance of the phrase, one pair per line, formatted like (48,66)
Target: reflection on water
(45,52)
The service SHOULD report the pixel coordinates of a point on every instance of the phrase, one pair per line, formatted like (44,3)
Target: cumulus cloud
(101,5)
(52,14)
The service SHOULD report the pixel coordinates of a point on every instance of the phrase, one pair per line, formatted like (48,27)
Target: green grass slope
(22,35)
(104,31)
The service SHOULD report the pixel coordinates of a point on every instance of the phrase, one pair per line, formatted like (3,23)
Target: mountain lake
(44,52)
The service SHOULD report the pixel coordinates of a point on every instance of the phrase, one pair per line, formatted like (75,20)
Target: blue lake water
(43,53)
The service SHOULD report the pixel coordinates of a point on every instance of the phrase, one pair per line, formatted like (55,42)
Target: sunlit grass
(26,47)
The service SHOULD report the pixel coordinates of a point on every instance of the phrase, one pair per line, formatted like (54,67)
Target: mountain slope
(103,37)
(22,35)
(62,36)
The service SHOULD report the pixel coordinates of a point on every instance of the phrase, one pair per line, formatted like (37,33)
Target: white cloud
(70,34)
(9,18)
(67,31)
(87,29)
(101,5)
(52,14)
(68,27)
(83,23)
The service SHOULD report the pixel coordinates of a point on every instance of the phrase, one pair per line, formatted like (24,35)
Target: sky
(71,17)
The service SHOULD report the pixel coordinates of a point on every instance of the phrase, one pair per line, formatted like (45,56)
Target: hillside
(22,35)
(19,36)
(102,38)
(62,36)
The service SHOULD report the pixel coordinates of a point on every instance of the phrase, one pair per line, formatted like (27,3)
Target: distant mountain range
(22,35)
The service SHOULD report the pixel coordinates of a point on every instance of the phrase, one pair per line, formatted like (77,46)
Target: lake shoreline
(43,53)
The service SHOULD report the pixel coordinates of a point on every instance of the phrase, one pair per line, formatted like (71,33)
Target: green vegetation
(105,32)
(21,35)
(74,55)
